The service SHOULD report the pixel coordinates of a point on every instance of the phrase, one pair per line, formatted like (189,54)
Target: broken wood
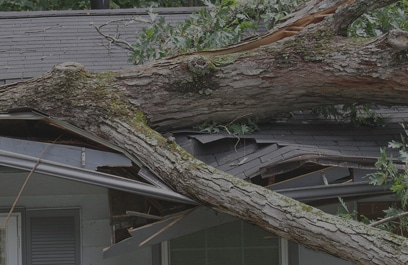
(144,215)
(175,221)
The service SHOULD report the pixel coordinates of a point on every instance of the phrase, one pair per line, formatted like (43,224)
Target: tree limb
(388,219)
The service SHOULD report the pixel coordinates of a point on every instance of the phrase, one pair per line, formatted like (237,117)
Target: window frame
(287,250)
(19,215)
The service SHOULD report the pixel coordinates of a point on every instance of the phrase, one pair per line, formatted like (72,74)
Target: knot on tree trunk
(200,65)
(69,67)
(398,39)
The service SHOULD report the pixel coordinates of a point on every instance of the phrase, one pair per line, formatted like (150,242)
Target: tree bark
(315,66)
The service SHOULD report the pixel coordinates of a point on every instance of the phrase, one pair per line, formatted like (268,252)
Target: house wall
(47,192)
(311,257)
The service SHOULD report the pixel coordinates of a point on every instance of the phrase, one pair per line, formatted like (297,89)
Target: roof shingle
(33,42)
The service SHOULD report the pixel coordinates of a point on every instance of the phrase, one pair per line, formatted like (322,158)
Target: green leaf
(403,156)
(394,144)
(378,178)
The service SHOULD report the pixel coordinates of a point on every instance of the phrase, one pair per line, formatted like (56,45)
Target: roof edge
(93,12)
(47,167)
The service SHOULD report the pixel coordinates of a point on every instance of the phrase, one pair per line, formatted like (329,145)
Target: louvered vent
(53,240)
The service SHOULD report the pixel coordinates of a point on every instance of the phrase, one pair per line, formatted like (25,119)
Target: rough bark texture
(313,67)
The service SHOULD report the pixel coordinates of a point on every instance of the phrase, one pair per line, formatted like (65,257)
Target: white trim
(13,237)
(165,253)
(284,251)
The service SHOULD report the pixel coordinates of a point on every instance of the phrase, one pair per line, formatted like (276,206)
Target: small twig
(233,134)
(388,219)
(116,39)
(128,46)
(225,127)
(239,117)
(26,181)
(44,29)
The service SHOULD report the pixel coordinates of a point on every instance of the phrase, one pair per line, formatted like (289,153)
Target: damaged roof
(303,151)
(284,149)
(304,157)
(32,140)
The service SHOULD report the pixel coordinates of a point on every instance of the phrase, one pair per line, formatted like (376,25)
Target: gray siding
(47,192)
(311,257)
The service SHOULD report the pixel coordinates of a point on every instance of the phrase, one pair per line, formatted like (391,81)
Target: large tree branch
(312,68)
(305,71)
(95,104)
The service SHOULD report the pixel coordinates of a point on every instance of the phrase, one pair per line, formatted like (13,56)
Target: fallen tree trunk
(314,66)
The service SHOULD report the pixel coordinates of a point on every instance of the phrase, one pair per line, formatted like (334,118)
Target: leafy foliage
(394,173)
(399,225)
(343,211)
(215,25)
(358,114)
(381,20)
(391,173)
(236,128)
(229,21)
(39,5)
(10,5)
(148,3)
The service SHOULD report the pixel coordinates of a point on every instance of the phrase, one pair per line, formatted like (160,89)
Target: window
(236,243)
(53,237)
(2,246)
(10,243)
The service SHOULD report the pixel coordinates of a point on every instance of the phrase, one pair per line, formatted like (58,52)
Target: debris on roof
(301,152)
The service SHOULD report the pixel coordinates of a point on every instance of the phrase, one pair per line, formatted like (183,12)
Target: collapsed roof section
(304,157)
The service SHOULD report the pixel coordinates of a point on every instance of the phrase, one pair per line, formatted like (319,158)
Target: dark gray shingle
(33,42)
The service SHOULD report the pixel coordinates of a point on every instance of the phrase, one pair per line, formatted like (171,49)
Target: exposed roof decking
(303,138)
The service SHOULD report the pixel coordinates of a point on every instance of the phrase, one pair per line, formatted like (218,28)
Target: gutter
(321,192)
(31,114)
(19,161)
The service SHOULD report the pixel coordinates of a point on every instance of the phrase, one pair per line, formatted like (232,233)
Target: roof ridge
(100,12)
